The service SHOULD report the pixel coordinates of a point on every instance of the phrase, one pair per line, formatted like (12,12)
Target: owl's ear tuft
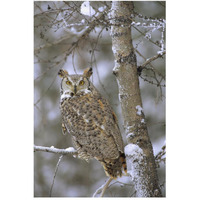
(88,72)
(62,73)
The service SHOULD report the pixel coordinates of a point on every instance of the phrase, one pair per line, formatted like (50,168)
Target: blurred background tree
(76,35)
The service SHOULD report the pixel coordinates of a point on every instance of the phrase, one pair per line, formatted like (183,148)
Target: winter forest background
(58,43)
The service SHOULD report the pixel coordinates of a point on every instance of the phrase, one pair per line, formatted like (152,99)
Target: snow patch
(132,150)
(136,23)
(73,30)
(129,128)
(101,9)
(135,160)
(130,135)
(86,9)
(139,109)
(83,21)
(70,149)
(161,52)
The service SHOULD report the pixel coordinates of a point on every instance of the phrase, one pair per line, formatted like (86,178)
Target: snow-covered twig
(69,150)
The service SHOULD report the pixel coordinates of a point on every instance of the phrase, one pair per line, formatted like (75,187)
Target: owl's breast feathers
(95,133)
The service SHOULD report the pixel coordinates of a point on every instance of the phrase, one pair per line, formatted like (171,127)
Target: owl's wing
(110,119)
(111,125)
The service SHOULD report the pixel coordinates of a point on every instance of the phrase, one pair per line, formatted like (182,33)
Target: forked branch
(103,188)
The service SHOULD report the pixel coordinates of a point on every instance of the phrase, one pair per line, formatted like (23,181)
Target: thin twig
(144,35)
(161,156)
(60,158)
(46,90)
(152,67)
(106,186)
(73,54)
(152,59)
(103,188)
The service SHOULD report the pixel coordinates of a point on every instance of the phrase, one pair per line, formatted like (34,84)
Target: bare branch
(149,60)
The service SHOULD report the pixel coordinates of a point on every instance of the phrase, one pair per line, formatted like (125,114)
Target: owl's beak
(75,89)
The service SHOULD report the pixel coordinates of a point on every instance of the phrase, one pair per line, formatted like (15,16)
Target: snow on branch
(69,150)
(135,156)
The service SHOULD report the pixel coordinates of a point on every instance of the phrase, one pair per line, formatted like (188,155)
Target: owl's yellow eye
(68,83)
(81,82)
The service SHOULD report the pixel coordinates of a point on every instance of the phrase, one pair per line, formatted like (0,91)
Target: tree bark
(139,150)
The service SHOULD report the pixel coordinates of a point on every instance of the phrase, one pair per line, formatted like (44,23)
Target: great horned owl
(90,120)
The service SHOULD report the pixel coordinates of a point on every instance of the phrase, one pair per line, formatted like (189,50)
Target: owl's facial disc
(74,85)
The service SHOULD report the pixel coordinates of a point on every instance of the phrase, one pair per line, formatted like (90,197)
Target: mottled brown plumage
(89,118)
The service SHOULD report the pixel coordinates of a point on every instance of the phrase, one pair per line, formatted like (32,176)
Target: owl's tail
(113,168)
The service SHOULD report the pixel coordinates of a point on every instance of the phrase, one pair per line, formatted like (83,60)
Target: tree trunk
(139,150)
